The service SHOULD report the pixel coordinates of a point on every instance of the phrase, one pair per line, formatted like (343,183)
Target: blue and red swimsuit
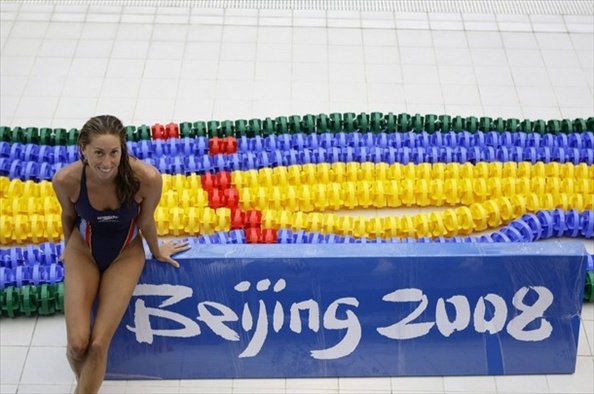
(106,232)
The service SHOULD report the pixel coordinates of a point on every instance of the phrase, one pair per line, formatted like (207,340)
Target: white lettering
(404,329)
(530,313)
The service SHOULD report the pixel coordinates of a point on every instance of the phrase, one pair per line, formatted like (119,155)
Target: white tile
(583,343)
(199,69)
(113,387)
(33,16)
(17,332)
(43,86)
(588,330)
(588,312)
(37,107)
(51,331)
(132,20)
(379,37)
(478,39)
(123,49)
(580,382)
(530,76)
(280,90)
(195,88)
(310,53)
(385,92)
(586,59)
(413,38)
(308,91)
(89,67)
(345,54)
(419,94)
(76,107)
(493,76)
(453,56)
(498,95)
(124,107)
(16,65)
(103,18)
(489,57)
(462,95)
(343,92)
(136,31)
(273,71)
(207,386)
(309,22)
(154,110)
(38,370)
(276,35)
(469,384)
(83,87)
(21,47)
(354,24)
(8,388)
(158,87)
(343,36)
(94,48)
(560,58)
(162,68)
(383,73)
(311,36)
(417,384)
(202,50)
(193,108)
(548,28)
(28,29)
(411,55)
(521,384)
(412,24)
(9,106)
(13,86)
(540,112)
(310,72)
(381,55)
(582,42)
(234,90)
(574,96)
(504,111)
(305,386)
(346,72)
(238,51)
(572,113)
(236,70)
(481,26)
(232,109)
(456,75)
(68,17)
(120,87)
(273,52)
(100,31)
(449,39)
(452,26)
(257,386)
(536,96)
(44,388)
(166,50)
(240,34)
(309,107)
(514,27)
(205,33)
(365,385)
(524,58)
(420,74)
(273,108)
(553,41)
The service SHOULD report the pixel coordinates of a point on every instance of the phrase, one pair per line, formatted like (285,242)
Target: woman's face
(103,155)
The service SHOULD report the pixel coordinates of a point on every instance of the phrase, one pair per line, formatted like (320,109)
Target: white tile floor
(61,64)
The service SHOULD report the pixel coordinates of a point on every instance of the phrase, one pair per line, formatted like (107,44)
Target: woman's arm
(62,188)
(151,184)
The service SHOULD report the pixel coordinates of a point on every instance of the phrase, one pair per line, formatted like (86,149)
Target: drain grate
(532,7)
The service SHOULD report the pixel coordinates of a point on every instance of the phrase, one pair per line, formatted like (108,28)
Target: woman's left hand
(170,248)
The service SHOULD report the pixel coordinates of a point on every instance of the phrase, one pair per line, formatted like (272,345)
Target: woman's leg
(81,283)
(116,288)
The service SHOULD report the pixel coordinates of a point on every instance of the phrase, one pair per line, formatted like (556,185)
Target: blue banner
(242,311)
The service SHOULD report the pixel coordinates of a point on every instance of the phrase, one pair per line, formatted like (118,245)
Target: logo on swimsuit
(107,218)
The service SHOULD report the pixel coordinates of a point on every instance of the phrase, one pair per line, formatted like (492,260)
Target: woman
(106,198)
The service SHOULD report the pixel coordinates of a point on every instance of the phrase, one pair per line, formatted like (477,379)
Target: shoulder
(69,176)
(149,177)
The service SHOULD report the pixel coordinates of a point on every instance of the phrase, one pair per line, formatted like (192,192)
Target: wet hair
(127,184)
